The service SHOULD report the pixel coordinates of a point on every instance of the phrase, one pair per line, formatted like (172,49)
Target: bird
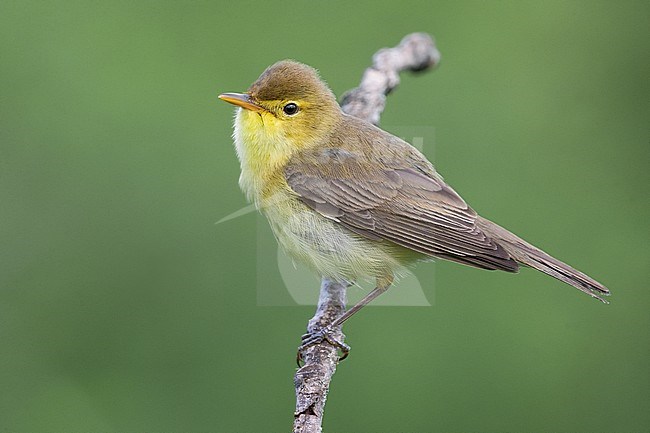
(350,200)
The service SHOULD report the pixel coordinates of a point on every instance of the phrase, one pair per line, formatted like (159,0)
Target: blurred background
(125,308)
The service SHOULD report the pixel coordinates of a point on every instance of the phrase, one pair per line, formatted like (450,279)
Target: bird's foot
(317,337)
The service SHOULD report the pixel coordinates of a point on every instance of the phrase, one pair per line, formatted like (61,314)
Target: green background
(124,308)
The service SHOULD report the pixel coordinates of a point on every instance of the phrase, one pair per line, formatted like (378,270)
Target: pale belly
(327,247)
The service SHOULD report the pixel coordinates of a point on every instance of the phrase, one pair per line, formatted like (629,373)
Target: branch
(416,52)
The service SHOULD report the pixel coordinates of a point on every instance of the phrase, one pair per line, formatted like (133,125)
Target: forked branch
(416,52)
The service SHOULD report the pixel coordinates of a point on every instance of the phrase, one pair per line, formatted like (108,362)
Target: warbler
(350,200)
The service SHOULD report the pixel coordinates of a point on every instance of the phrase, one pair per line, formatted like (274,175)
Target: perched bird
(351,200)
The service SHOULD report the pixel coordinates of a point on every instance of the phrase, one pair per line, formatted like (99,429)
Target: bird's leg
(359,305)
(324,334)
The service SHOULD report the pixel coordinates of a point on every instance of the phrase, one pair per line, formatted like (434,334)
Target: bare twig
(416,52)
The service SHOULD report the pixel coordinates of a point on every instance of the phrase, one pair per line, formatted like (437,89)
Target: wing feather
(398,201)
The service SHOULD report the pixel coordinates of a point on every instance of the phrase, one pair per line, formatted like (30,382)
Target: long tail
(526,254)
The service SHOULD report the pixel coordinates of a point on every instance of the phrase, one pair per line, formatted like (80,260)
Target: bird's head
(289,107)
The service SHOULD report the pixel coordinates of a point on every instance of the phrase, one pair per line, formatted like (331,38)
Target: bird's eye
(290,109)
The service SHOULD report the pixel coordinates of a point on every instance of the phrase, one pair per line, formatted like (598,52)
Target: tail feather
(527,254)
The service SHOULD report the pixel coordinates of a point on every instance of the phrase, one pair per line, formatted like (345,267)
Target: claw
(318,337)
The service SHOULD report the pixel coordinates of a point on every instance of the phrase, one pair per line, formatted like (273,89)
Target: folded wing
(398,201)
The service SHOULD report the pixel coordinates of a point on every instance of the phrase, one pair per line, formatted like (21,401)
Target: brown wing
(402,201)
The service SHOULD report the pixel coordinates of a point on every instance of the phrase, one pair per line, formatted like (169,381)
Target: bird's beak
(243,100)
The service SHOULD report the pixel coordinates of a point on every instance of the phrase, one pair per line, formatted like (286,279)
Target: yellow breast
(323,244)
